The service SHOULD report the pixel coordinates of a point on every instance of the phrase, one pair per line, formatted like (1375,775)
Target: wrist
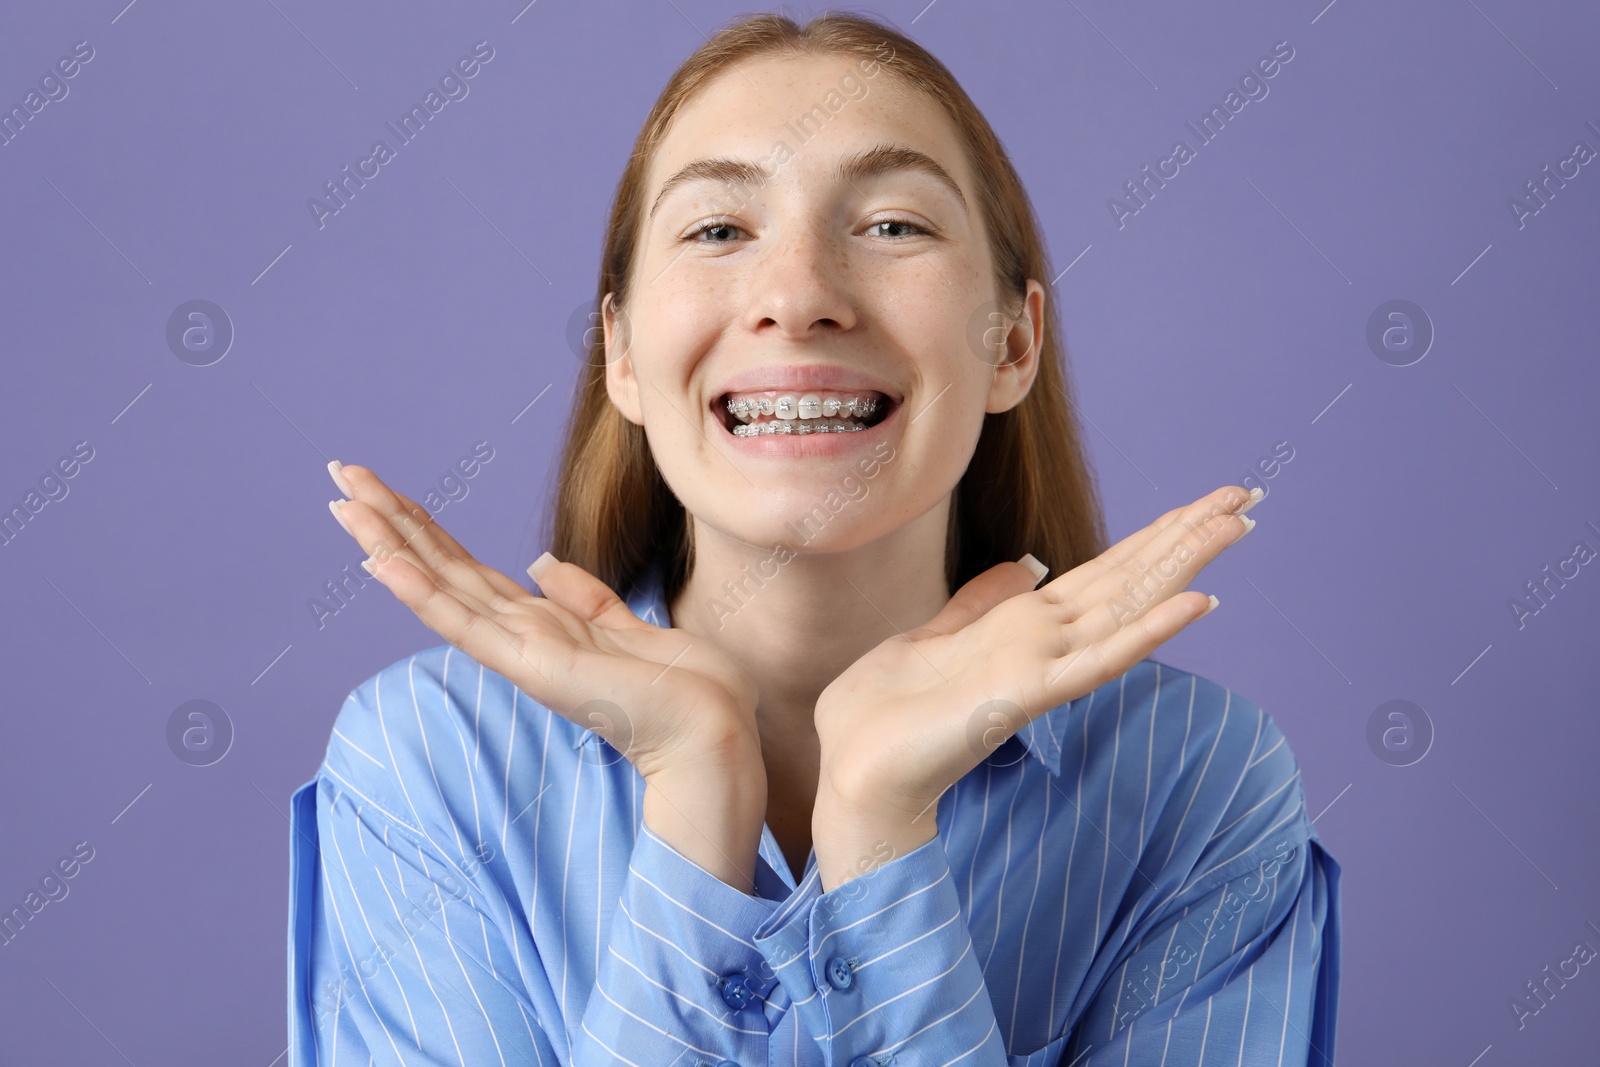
(723,744)
(852,838)
(711,815)
(724,757)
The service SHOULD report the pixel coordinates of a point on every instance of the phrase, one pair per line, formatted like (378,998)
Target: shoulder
(1217,783)
(432,738)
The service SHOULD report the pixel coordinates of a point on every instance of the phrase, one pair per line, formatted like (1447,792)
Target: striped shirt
(1131,879)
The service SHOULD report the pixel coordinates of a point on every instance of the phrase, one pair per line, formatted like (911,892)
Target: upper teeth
(804,406)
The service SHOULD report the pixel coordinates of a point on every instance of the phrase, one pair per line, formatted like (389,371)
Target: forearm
(854,836)
(712,814)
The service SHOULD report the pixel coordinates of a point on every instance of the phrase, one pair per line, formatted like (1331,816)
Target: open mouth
(757,414)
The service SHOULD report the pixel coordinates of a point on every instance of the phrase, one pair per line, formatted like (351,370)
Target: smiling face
(812,231)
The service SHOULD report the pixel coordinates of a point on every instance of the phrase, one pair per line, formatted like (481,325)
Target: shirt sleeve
(882,968)
(397,959)
(410,966)
(682,980)
(1244,970)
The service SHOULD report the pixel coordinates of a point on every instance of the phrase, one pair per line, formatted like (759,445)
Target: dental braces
(756,429)
(789,406)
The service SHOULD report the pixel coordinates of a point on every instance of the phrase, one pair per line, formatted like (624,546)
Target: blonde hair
(1028,486)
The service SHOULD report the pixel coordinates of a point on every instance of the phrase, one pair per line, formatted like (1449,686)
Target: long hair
(1028,487)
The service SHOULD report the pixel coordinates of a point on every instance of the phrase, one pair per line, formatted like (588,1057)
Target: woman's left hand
(913,716)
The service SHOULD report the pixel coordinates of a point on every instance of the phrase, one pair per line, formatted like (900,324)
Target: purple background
(1228,315)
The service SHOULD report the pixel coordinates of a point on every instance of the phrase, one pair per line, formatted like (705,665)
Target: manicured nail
(1037,569)
(1249,523)
(540,565)
(1210,609)
(1256,496)
(366,565)
(338,479)
(337,506)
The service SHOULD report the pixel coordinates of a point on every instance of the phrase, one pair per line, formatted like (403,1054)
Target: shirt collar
(1042,737)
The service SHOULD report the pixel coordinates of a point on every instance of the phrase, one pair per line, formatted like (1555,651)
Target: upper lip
(807,376)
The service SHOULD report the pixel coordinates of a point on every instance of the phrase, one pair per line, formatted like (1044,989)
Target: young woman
(836,780)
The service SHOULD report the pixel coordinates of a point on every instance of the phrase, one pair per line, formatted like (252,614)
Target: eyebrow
(870,163)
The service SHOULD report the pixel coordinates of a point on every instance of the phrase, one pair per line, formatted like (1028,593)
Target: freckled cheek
(666,345)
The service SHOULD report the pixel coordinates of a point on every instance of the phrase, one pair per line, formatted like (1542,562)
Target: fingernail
(336,506)
(540,565)
(366,565)
(1210,609)
(338,479)
(1038,570)
(1256,496)
(1249,523)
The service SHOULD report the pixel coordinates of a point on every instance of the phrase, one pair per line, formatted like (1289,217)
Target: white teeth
(809,406)
(796,426)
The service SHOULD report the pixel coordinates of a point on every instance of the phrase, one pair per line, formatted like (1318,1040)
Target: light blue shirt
(1132,879)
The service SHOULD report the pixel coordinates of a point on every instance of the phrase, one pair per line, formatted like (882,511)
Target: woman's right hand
(674,703)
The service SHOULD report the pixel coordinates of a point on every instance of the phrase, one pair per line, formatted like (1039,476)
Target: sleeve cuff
(683,978)
(883,965)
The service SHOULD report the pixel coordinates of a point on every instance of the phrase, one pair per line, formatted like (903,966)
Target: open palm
(660,696)
(923,708)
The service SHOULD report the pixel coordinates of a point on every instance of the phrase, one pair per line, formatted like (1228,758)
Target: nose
(801,287)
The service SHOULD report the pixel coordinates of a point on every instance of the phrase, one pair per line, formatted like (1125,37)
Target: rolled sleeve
(1240,971)
(682,978)
(882,967)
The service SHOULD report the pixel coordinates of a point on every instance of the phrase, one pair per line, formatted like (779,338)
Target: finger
(502,582)
(1227,500)
(583,594)
(458,621)
(1089,666)
(1162,570)
(1069,588)
(419,537)
(377,538)
(975,599)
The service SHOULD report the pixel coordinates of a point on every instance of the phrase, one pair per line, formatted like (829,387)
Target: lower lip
(810,444)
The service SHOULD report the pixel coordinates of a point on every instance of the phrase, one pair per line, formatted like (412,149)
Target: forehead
(820,107)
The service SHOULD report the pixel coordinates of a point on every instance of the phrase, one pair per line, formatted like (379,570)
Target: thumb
(975,599)
(581,593)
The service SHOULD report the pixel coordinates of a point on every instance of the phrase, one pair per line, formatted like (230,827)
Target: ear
(622,385)
(1024,341)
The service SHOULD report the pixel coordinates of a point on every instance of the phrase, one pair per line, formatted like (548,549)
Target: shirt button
(736,993)
(839,978)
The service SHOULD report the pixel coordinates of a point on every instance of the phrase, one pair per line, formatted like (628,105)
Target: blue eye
(897,222)
(707,227)
(714,225)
